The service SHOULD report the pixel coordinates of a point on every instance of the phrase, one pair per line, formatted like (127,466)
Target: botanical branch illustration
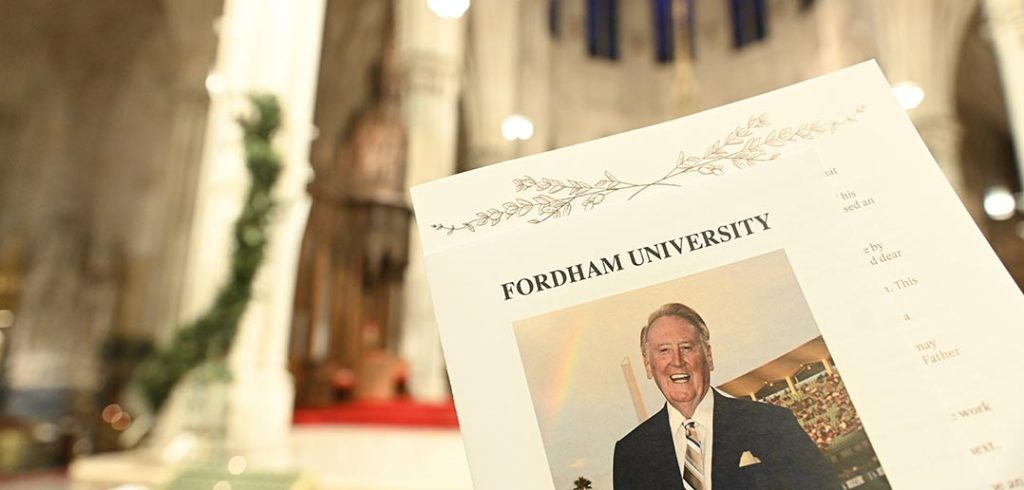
(745,146)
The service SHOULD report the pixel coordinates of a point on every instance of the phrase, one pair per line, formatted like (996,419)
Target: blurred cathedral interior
(150,337)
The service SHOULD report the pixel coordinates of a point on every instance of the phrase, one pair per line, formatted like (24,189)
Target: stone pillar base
(258,424)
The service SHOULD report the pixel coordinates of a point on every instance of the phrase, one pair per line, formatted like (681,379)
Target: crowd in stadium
(822,406)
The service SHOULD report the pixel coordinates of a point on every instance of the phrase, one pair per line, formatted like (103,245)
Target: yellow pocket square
(748,458)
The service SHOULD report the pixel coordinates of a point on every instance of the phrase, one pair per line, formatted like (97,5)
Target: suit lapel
(725,452)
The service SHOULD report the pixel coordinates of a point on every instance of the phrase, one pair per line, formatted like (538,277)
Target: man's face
(679,362)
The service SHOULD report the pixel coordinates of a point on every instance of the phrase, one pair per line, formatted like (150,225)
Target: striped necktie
(693,475)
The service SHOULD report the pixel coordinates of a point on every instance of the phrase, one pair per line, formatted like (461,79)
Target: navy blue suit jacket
(645,459)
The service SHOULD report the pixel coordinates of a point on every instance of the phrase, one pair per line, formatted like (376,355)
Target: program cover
(845,325)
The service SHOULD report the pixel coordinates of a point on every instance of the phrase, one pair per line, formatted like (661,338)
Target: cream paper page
(497,413)
(923,331)
(502,420)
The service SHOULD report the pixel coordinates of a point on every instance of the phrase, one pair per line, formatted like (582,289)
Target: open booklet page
(855,302)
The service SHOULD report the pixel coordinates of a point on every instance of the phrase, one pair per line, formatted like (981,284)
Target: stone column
(919,42)
(265,46)
(507,72)
(189,23)
(534,72)
(492,80)
(1005,24)
(432,50)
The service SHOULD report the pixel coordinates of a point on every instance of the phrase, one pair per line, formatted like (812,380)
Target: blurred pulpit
(345,324)
(379,372)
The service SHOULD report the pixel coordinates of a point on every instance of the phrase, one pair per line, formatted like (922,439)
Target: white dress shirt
(703,415)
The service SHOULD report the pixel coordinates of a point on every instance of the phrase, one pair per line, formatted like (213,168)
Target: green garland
(210,336)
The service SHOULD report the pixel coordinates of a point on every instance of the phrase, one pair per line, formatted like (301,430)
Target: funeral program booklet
(783,292)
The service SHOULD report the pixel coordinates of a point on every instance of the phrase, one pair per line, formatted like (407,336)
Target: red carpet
(402,412)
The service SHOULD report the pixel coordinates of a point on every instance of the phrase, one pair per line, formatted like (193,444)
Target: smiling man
(702,439)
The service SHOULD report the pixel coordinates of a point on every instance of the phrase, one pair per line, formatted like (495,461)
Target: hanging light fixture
(448,9)
(909,94)
(999,203)
(517,127)
(215,84)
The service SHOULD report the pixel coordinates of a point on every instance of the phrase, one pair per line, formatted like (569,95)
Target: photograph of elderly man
(702,439)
